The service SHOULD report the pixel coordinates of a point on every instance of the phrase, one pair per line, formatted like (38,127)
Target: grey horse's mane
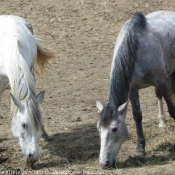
(122,73)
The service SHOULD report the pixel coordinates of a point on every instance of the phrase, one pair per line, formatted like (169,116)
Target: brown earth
(82,35)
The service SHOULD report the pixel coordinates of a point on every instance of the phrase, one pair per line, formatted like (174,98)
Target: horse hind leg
(163,85)
(161,116)
(172,81)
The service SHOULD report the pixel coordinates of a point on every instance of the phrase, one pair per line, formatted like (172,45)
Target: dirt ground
(82,34)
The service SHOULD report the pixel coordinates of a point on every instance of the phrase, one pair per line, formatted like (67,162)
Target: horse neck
(22,80)
(123,66)
(23,86)
(119,93)
(20,58)
(121,77)
(23,91)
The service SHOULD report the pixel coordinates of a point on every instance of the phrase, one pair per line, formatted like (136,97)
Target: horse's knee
(137,115)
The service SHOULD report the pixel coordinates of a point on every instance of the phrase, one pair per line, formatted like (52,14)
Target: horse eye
(114,129)
(23,125)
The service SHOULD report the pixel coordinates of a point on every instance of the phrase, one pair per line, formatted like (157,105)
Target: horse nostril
(30,155)
(107,163)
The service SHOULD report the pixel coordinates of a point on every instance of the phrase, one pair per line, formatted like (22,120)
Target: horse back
(156,53)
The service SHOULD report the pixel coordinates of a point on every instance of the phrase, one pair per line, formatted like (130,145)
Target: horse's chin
(110,165)
(30,162)
(113,166)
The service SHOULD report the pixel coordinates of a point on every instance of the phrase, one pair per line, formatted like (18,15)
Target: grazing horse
(144,55)
(19,50)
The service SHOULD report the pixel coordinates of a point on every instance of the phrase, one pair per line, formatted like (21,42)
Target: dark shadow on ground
(83,145)
(1,140)
(76,147)
(159,156)
(2,149)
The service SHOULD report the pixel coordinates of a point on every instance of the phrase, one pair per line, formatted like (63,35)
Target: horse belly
(141,83)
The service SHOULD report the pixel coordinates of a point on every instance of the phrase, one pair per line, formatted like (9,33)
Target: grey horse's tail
(172,82)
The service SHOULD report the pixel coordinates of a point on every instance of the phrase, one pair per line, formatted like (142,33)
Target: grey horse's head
(113,132)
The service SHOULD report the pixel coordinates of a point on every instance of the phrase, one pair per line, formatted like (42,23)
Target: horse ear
(40,97)
(16,102)
(122,108)
(99,105)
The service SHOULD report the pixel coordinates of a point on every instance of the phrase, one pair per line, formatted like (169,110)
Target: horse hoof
(162,121)
(140,149)
(162,124)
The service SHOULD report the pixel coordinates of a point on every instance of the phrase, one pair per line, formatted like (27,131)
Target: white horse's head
(27,125)
(113,132)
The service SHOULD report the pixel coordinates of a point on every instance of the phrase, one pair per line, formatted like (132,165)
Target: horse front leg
(137,115)
(161,116)
(3,86)
(44,133)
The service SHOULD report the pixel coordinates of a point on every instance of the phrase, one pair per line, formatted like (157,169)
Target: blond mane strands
(43,56)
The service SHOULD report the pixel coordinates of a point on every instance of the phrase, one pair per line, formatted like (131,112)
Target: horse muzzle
(31,159)
(108,163)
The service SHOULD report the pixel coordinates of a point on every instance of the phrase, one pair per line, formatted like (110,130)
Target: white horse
(19,50)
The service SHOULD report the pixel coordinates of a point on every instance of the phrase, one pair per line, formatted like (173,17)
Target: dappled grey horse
(144,55)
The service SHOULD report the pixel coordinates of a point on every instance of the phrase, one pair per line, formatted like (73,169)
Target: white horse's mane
(23,55)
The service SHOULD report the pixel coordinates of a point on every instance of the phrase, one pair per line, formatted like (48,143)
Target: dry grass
(83,34)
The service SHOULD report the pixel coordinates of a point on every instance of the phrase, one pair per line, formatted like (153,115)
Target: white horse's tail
(43,54)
